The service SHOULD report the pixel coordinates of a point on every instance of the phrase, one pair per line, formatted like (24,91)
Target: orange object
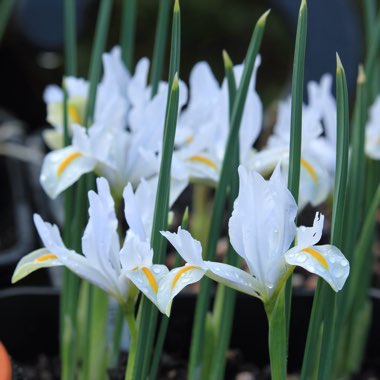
(5,364)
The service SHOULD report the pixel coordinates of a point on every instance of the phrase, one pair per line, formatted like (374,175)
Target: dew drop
(332,259)
(344,263)
(156,270)
(301,258)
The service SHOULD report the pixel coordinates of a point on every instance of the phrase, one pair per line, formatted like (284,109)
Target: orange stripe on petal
(204,160)
(152,280)
(66,162)
(180,273)
(317,256)
(74,114)
(48,256)
(309,169)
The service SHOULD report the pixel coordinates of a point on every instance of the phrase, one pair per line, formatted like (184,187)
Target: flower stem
(277,336)
(132,327)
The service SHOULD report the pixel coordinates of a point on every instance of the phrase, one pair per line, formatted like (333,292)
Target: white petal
(308,236)
(135,253)
(327,261)
(315,182)
(234,277)
(148,279)
(49,234)
(262,226)
(189,248)
(174,282)
(132,212)
(41,258)
(62,168)
(100,240)
(53,138)
(75,262)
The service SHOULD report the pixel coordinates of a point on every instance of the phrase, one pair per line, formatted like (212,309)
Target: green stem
(116,337)
(276,313)
(132,327)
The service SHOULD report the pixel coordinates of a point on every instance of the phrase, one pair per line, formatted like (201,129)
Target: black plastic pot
(29,320)
(29,326)
(16,229)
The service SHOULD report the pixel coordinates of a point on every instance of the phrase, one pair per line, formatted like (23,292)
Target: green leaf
(128,31)
(220,197)
(101,31)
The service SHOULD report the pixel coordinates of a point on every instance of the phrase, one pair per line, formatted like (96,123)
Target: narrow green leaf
(325,300)
(297,98)
(363,251)
(224,305)
(128,31)
(164,319)
(355,191)
(101,31)
(296,127)
(70,38)
(148,311)
(160,45)
(220,196)
(98,341)
(372,56)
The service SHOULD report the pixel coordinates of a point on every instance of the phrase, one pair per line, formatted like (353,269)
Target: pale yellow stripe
(317,256)
(152,281)
(204,160)
(310,170)
(48,256)
(66,162)
(180,273)
(74,114)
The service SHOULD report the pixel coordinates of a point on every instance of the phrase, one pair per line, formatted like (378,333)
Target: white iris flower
(103,263)
(261,230)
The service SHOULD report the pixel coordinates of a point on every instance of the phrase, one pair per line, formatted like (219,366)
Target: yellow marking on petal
(180,273)
(74,114)
(152,281)
(48,256)
(189,139)
(66,162)
(310,170)
(317,256)
(204,160)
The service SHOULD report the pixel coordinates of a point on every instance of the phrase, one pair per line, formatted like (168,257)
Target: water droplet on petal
(331,259)
(301,258)
(156,270)
(344,263)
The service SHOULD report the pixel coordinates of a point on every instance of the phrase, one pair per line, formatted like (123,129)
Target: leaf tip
(361,75)
(303,5)
(175,84)
(227,60)
(339,66)
(263,18)
(176,6)
(185,218)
